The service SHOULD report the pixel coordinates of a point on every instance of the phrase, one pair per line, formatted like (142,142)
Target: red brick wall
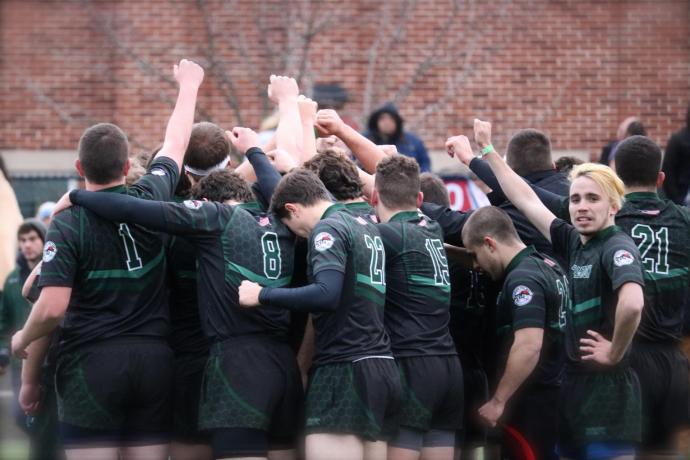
(573,68)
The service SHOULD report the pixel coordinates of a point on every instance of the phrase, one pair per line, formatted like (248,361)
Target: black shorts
(476,393)
(115,392)
(360,398)
(252,383)
(601,406)
(664,376)
(533,411)
(189,372)
(432,397)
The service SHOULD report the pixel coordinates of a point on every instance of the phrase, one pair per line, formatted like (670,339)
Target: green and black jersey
(417,286)
(661,230)
(534,295)
(187,336)
(596,271)
(362,209)
(234,243)
(116,271)
(351,245)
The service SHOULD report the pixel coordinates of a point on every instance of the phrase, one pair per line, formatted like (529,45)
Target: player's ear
(660,179)
(292,209)
(420,199)
(490,243)
(77,166)
(374,200)
(128,165)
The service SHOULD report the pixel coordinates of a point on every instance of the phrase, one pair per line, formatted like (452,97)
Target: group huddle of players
(307,305)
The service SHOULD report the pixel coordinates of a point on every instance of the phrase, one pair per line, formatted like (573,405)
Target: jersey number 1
(133,260)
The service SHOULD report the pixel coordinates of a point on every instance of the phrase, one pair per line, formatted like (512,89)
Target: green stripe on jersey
(424,281)
(262,280)
(364,279)
(584,306)
(676,272)
(119,273)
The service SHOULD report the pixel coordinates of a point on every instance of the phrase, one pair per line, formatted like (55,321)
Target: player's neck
(639,188)
(385,214)
(91,187)
(508,253)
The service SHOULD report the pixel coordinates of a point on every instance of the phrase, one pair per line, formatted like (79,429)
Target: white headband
(206,172)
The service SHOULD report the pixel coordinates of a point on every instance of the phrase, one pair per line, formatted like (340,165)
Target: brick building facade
(573,68)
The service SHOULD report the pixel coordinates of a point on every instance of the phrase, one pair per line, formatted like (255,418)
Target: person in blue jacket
(386,126)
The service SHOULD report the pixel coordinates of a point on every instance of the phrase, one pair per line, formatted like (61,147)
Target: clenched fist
(482,132)
(282,88)
(307,109)
(329,123)
(460,148)
(188,73)
(243,139)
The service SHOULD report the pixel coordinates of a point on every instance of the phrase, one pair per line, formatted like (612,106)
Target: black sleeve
(321,296)
(119,207)
(557,204)
(159,182)
(187,218)
(451,221)
(563,237)
(267,177)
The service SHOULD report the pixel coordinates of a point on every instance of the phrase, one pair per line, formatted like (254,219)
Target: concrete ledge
(40,162)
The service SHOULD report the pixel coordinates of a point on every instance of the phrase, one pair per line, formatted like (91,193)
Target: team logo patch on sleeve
(522,295)
(158,172)
(622,257)
(193,204)
(49,251)
(323,241)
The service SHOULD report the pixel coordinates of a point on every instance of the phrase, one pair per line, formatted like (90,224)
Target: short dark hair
(636,128)
(434,189)
(397,181)
(338,173)
(300,186)
(208,146)
(529,151)
(103,152)
(638,161)
(223,185)
(565,163)
(488,221)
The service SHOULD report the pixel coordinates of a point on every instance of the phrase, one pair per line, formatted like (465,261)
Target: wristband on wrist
(486,150)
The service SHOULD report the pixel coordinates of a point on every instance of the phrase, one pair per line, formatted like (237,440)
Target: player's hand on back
(282,160)
(30,397)
(188,73)
(63,203)
(243,139)
(282,88)
(482,132)
(460,148)
(249,294)
(329,123)
(307,109)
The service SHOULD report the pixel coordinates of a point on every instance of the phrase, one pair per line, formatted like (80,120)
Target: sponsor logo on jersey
(581,271)
(622,257)
(522,295)
(49,251)
(158,172)
(651,212)
(193,204)
(323,241)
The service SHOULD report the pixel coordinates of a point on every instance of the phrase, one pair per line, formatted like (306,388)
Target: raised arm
(514,188)
(307,113)
(284,92)
(189,75)
(246,142)
(369,154)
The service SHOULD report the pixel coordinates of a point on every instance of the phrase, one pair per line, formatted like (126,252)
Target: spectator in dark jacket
(385,126)
(677,165)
